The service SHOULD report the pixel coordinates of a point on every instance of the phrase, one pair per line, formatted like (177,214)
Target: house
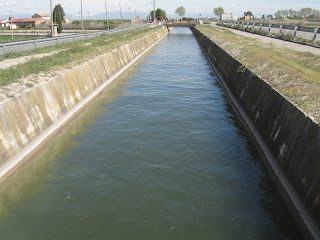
(41,15)
(3,22)
(67,20)
(226,16)
(22,23)
(8,23)
(245,18)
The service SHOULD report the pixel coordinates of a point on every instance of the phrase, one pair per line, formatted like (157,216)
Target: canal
(159,155)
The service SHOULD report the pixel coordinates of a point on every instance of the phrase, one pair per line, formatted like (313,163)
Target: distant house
(3,22)
(22,23)
(67,20)
(41,15)
(8,23)
(246,18)
(226,16)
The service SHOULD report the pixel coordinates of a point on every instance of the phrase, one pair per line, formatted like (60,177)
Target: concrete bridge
(177,24)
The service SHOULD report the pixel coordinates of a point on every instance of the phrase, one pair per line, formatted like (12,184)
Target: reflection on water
(160,155)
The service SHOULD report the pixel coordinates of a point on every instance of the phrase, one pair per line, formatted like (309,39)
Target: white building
(226,16)
(7,23)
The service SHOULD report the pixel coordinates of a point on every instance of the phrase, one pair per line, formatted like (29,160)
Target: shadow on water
(271,200)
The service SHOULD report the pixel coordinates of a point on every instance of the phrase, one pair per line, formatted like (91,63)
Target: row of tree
(161,14)
(302,13)
(219,11)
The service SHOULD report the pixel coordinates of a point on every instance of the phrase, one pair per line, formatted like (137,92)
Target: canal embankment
(287,138)
(27,120)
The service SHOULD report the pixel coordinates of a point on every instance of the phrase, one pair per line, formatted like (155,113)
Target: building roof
(29,20)
(42,14)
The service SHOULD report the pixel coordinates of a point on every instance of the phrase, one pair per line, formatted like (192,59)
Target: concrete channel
(288,140)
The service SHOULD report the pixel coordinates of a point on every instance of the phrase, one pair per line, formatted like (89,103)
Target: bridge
(177,24)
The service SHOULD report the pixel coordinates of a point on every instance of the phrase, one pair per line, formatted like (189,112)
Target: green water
(159,155)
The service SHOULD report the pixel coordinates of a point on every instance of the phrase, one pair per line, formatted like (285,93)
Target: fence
(282,28)
(45,42)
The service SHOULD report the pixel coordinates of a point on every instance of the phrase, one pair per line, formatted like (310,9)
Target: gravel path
(279,42)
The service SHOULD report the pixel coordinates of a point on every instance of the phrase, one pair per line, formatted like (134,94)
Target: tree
(305,12)
(58,15)
(181,11)
(218,11)
(160,14)
(249,13)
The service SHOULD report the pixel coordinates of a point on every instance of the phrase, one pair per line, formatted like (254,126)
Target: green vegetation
(249,13)
(58,15)
(160,14)
(218,11)
(17,38)
(74,53)
(308,13)
(294,74)
(96,24)
(181,11)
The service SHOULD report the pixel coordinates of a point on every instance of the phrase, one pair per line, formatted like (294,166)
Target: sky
(205,7)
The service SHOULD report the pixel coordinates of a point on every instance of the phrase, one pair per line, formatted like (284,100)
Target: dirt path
(15,61)
(278,42)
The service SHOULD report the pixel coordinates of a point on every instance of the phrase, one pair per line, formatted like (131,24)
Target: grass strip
(76,53)
(4,38)
(296,75)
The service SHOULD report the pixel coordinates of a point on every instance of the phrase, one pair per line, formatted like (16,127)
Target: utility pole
(11,26)
(135,13)
(154,10)
(82,18)
(107,14)
(51,18)
(130,14)
(89,16)
(120,11)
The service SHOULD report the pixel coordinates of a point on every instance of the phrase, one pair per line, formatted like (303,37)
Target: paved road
(279,42)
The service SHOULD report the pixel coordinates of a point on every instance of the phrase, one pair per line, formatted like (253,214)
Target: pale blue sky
(205,7)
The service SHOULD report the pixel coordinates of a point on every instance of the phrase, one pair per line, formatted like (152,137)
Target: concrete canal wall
(288,140)
(29,119)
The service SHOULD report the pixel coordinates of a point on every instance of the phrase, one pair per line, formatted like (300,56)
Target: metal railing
(31,34)
(295,29)
(26,45)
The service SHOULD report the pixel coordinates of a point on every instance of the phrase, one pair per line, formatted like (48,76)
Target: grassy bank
(293,74)
(17,38)
(74,53)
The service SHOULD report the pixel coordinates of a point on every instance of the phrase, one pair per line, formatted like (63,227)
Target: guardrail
(25,45)
(311,30)
(47,34)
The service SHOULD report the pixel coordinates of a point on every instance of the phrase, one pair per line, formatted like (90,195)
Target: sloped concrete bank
(29,119)
(287,139)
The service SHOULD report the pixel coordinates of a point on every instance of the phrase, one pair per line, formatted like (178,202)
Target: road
(278,42)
